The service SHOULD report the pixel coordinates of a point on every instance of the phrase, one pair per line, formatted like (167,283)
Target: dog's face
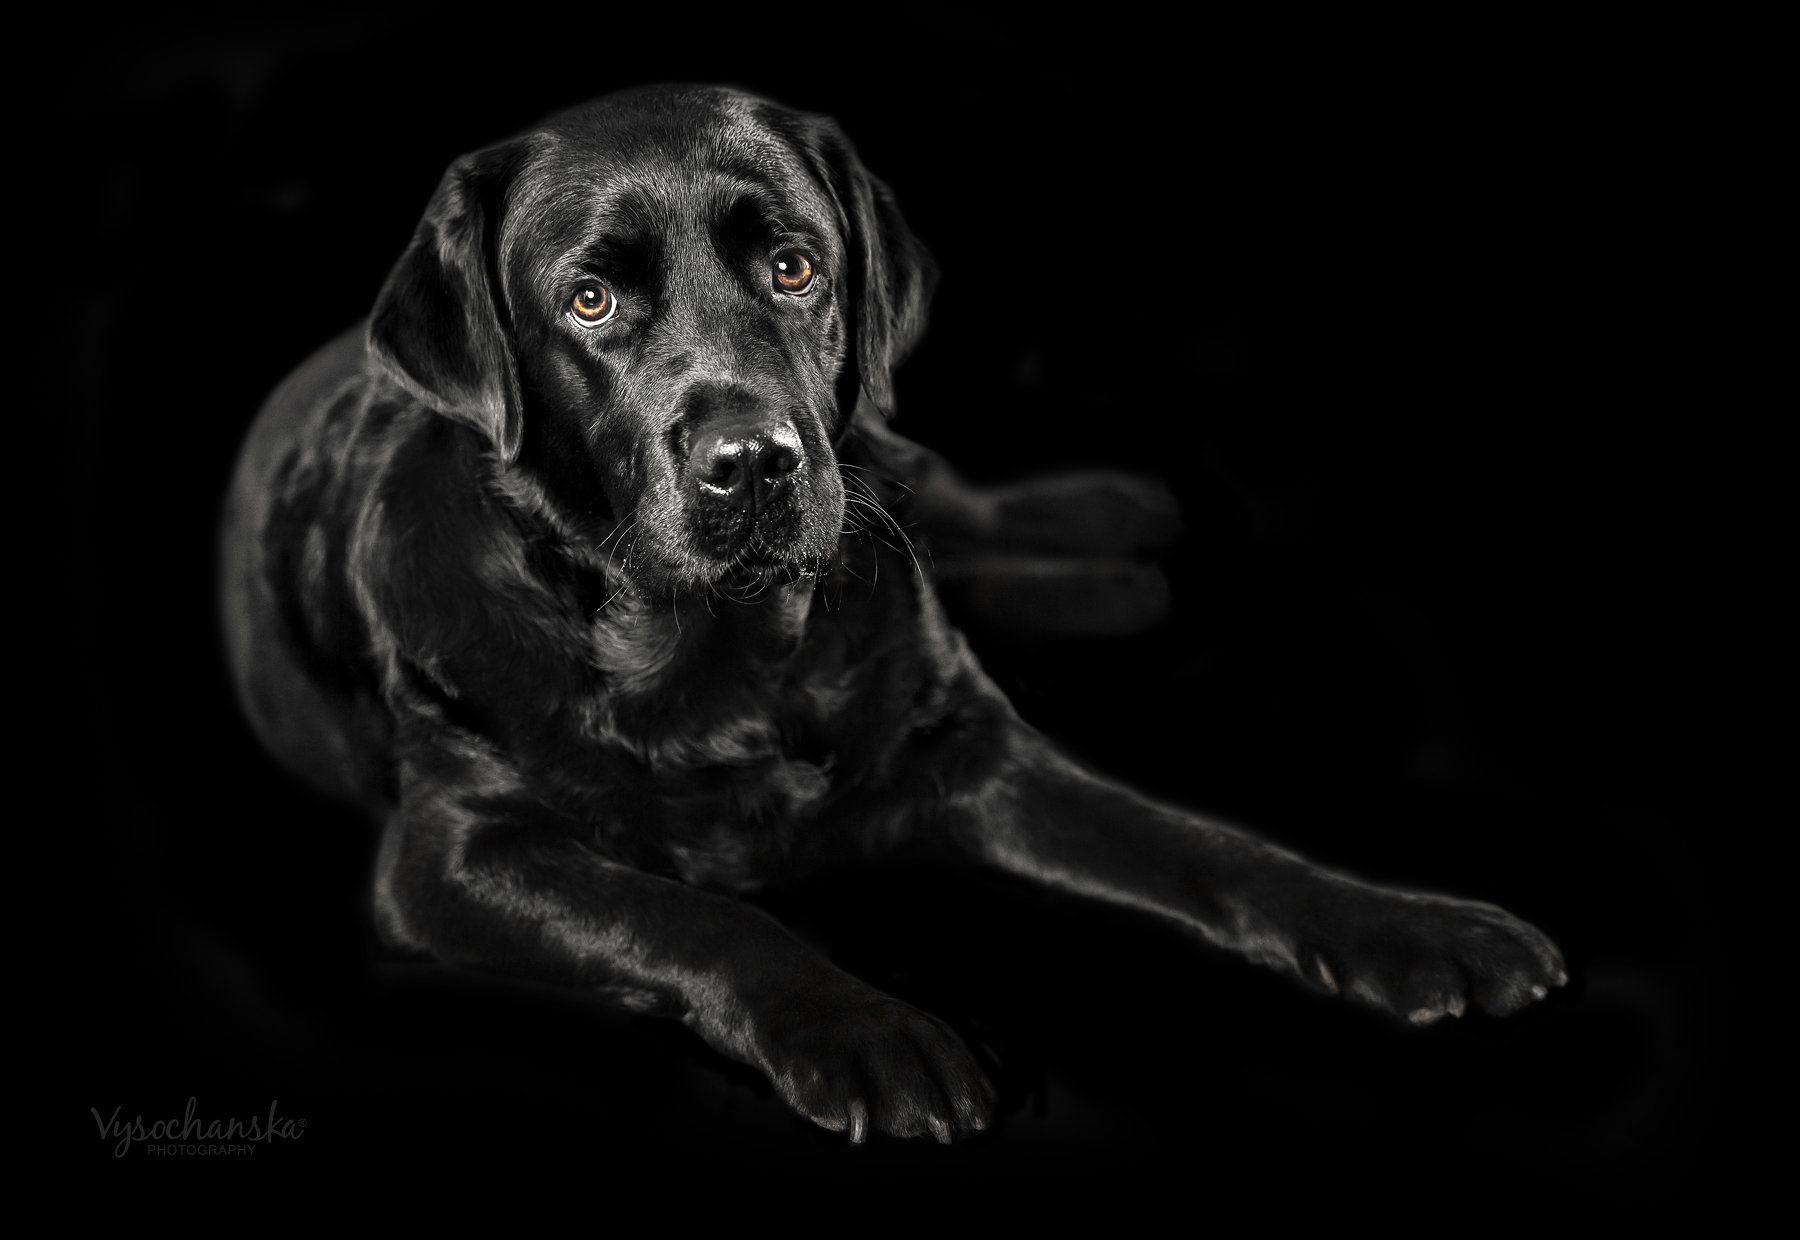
(663,306)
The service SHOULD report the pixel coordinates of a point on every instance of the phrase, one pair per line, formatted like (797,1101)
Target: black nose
(744,462)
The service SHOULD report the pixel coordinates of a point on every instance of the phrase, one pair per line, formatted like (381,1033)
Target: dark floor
(1446,614)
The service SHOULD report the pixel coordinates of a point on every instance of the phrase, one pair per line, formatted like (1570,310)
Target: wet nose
(744,462)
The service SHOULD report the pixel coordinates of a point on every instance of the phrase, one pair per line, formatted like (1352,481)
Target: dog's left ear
(439,323)
(892,274)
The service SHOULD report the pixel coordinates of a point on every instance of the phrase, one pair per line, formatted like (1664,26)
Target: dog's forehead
(668,123)
(663,158)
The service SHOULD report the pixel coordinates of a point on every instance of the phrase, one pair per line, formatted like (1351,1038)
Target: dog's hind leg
(1066,554)
(1080,514)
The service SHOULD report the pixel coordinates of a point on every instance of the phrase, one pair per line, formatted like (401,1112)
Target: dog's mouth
(757,566)
(793,541)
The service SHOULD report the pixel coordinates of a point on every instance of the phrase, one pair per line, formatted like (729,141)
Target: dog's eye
(793,271)
(593,304)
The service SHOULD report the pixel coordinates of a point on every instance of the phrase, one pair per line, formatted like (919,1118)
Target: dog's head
(664,306)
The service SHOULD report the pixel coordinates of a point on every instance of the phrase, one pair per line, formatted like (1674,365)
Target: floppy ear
(892,275)
(439,325)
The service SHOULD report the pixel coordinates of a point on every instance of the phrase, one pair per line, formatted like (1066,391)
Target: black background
(1408,326)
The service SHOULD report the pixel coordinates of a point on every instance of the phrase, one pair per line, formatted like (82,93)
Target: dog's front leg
(476,871)
(1042,815)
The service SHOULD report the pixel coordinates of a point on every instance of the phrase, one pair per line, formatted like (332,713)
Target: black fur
(473,582)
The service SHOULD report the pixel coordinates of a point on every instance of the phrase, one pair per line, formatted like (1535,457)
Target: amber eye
(592,304)
(793,271)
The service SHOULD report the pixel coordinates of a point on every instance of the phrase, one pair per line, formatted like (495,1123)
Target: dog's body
(549,569)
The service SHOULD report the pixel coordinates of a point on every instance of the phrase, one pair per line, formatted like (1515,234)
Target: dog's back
(285,598)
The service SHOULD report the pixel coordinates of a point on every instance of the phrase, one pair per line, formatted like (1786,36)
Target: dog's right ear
(892,274)
(440,325)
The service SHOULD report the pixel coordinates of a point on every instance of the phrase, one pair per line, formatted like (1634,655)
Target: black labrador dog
(545,569)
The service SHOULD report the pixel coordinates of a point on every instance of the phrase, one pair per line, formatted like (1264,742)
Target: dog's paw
(1094,513)
(873,1064)
(1425,957)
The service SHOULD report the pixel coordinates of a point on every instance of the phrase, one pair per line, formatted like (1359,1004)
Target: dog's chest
(753,735)
(733,801)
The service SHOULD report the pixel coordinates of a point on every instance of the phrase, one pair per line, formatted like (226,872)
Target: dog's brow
(579,226)
(620,226)
(782,211)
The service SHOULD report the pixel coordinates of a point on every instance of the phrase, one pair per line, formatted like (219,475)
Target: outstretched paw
(1425,957)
